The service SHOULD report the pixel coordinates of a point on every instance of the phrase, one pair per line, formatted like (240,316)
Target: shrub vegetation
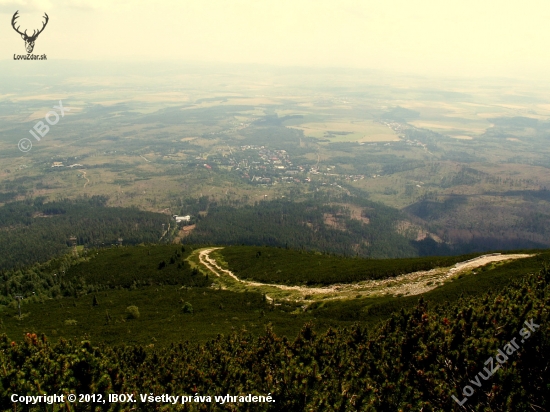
(417,360)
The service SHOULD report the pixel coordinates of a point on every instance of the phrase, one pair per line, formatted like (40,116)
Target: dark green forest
(102,269)
(301,225)
(34,231)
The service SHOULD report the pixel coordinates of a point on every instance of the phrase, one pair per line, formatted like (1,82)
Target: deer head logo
(29,40)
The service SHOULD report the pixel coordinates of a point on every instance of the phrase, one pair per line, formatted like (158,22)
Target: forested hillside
(33,231)
(312,225)
(418,360)
(101,269)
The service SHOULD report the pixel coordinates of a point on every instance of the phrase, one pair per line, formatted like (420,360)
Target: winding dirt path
(84,176)
(212,265)
(409,284)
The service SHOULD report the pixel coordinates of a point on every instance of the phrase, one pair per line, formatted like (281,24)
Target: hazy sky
(450,37)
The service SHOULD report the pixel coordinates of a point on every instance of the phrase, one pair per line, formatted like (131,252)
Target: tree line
(303,225)
(34,230)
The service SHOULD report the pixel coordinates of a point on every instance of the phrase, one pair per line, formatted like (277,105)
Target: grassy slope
(416,361)
(490,277)
(293,267)
(122,267)
(162,320)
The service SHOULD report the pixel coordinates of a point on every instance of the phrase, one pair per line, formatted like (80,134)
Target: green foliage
(133,312)
(415,361)
(127,267)
(375,310)
(293,267)
(302,225)
(162,319)
(187,308)
(33,231)
(218,311)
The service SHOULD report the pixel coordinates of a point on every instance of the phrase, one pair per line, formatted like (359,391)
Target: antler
(34,33)
(43,26)
(15,16)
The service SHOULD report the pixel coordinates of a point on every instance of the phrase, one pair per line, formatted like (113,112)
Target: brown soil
(183,232)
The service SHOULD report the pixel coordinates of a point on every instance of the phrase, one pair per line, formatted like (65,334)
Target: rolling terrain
(391,280)
(352,240)
(464,164)
(189,338)
(185,293)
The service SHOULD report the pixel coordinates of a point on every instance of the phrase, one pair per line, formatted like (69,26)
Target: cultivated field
(352,131)
(408,142)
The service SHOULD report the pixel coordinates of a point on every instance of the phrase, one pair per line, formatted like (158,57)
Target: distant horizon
(464,39)
(220,67)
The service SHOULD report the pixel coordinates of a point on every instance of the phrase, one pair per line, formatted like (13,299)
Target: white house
(184,219)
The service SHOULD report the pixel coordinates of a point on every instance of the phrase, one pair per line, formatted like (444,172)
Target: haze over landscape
(454,38)
(326,205)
